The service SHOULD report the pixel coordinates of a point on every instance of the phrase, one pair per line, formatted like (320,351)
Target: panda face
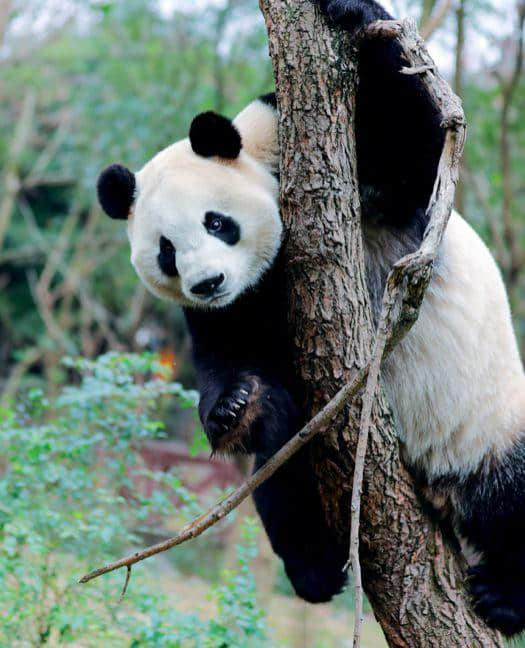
(203,230)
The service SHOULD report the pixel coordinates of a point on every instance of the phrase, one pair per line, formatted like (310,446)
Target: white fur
(175,190)
(456,381)
(257,124)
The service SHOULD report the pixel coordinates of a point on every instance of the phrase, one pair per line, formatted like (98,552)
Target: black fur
(116,191)
(492,518)
(233,347)
(166,257)
(269,99)
(351,14)
(213,134)
(398,131)
(487,509)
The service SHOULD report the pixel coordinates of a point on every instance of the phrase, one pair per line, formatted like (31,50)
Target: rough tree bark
(413,579)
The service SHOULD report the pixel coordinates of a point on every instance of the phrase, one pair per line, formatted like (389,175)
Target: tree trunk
(413,579)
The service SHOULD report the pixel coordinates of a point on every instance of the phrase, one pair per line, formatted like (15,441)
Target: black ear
(213,134)
(116,190)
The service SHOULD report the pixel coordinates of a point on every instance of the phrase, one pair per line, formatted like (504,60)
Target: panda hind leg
(499,597)
(491,518)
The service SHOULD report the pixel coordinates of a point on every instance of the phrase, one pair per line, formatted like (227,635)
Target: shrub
(64,462)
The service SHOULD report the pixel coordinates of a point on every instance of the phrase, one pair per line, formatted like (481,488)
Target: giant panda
(204,228)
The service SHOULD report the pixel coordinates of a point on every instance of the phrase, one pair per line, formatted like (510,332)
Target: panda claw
(226,416)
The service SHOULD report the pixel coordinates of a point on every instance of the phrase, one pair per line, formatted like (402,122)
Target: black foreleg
(290,508)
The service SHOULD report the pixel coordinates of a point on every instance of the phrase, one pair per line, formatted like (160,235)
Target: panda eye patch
(222,227)
(166,257)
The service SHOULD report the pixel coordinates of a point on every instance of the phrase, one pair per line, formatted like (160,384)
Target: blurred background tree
(84,83)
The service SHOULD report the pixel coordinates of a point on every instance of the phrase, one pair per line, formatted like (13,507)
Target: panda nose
(207,287)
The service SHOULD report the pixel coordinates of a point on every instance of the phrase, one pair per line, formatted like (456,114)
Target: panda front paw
(351,14)
(229,422)
(499,598)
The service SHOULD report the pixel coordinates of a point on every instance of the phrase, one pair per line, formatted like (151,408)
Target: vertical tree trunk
(413,580)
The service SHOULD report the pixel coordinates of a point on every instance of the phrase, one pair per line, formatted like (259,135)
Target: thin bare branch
(125,587)
(404,292)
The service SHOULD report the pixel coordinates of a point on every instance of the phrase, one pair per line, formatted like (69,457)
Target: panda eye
(213,221)
(223,227)
(215,225)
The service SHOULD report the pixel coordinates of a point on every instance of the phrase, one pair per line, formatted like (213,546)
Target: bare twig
(125,587)
(410,71)
(357,484)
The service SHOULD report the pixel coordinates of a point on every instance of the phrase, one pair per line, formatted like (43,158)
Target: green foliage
(65,462)
(236,596)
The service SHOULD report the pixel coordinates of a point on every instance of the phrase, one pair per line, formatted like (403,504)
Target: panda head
(202,216)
